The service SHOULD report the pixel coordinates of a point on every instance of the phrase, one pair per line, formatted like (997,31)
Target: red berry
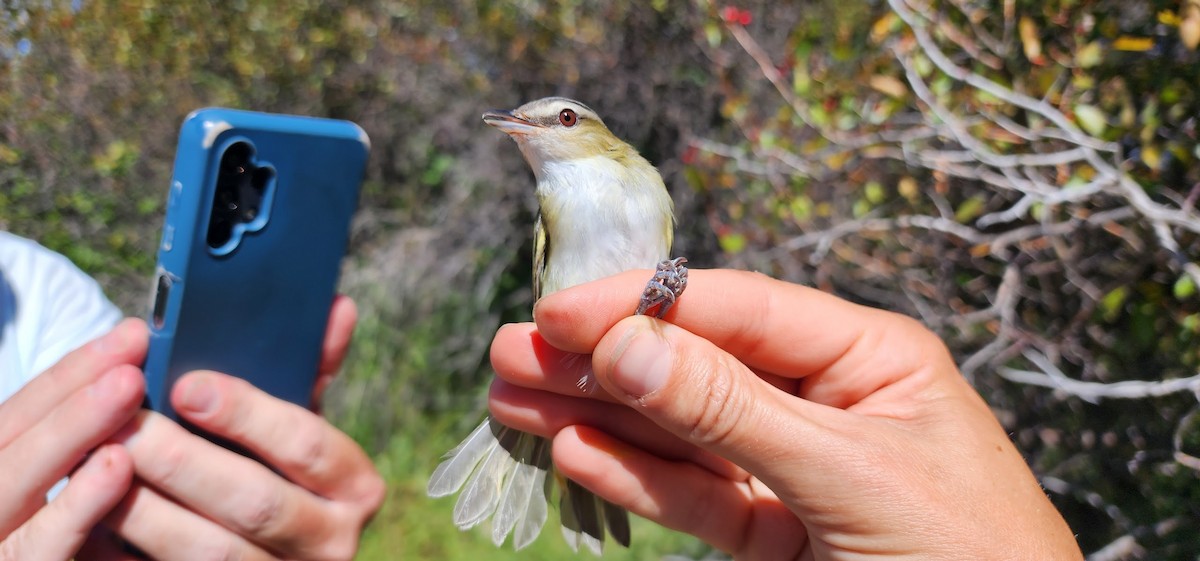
(730,14)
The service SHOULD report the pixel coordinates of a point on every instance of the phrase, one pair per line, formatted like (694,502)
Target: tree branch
(1093,392)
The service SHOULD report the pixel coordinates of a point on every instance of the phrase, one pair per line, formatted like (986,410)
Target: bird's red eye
(568,118)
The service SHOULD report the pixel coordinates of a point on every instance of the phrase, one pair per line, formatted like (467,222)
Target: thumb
(704,395)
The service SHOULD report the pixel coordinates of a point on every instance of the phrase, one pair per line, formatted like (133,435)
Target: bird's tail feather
(502,473)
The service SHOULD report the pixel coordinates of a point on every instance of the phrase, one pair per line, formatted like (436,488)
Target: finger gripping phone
(257,221)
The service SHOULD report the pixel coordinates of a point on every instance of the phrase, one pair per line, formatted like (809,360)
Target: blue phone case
(243,290)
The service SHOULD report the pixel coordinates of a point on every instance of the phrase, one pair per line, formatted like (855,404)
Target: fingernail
(643,362)
(197,394)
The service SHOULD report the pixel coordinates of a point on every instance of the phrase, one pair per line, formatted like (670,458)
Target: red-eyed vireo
(603,210)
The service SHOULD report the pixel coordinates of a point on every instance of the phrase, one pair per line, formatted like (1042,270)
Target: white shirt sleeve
(48,308)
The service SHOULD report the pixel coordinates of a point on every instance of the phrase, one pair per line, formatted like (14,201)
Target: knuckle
(719,407)
(168,466)
(922,342)
(909,325)
(13,546)
(258,512)
(308,451)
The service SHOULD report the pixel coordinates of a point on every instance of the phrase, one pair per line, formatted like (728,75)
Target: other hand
(309,498)
(55,426)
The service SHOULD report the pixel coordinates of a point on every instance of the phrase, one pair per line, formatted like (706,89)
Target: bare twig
(1017,99)
(1124,547)
(1049,162)
(1093,392)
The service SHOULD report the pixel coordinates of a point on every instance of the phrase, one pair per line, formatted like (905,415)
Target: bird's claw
(668,283)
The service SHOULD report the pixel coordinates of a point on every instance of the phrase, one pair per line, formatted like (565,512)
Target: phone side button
(173,194)
(161,295)
(168,237)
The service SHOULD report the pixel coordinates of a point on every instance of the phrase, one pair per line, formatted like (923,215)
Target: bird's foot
(668,283)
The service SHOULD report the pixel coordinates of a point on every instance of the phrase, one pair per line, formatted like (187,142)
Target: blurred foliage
(92,93)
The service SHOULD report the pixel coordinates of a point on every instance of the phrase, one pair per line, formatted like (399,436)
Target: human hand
(774,421)
(309,498)
(54,423)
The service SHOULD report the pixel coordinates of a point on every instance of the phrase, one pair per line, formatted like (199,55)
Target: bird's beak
(510,123)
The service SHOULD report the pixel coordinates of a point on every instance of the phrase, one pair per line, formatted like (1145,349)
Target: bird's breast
(595,253)
(598,225)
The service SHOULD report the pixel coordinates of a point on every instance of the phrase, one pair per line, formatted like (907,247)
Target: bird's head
(557,129)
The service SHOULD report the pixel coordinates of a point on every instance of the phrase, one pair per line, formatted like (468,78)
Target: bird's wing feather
(670,233)
(482,491)
(522,486)
(514,501)
(582,521)
(617,519)
(530,525)
(461,461)
(541,248)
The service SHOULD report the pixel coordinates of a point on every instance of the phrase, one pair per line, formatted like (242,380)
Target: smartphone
(257,221)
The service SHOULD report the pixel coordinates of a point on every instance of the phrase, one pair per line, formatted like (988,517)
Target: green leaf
(116,160)
(1090,55)
(801,80)
(968,210)
(819,116)
(1091,118)
(861,208)
(8,156)
(733,242)
(1184,287)
(1037,211)
(437,169)
(712,32)
(1111,303)
(875,192)
(767,139)
(923,65)
(801,208)
(148,205)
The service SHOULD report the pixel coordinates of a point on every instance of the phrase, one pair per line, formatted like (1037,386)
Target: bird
(602,209)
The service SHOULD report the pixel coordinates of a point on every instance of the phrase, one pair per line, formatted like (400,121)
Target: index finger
(124,344)
(769,325)
(303,446)
(343,316)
